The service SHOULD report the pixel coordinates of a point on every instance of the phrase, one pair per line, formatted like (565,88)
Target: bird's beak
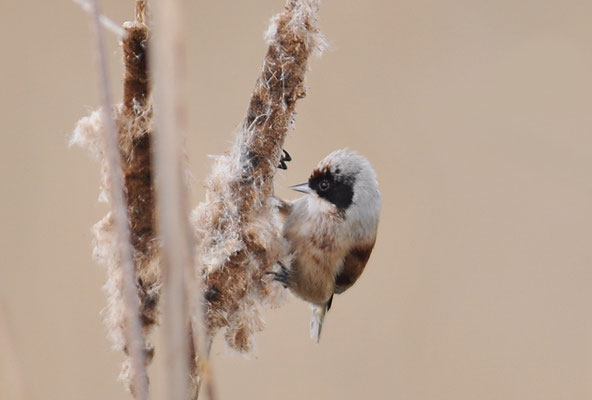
(303,187)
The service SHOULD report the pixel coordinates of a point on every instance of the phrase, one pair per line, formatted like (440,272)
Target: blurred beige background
(477,117)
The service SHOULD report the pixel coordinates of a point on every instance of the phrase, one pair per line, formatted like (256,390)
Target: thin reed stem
(11,378)
(182,287)
(106,22)
(132,328)
(141,11)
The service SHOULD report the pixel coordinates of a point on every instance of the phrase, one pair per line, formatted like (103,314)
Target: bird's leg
(284,159)
(282,276)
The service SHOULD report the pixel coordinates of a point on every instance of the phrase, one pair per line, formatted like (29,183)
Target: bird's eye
(324,185)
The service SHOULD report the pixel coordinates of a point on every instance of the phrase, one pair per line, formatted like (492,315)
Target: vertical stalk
(11,377)
(141,11)
(182,287)
(132,326)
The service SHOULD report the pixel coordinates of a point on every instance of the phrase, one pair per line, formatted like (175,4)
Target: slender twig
(105,21)
(10,371)
(181,284)
(141,11)
(132,326)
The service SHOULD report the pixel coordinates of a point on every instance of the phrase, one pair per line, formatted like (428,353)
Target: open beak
(303,187)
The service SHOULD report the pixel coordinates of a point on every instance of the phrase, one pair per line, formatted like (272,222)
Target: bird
(331,231)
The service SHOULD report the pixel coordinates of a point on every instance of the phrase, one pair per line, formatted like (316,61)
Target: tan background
(477,117)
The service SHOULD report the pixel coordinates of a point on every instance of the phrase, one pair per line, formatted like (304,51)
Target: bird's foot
(282,276)
(284,159)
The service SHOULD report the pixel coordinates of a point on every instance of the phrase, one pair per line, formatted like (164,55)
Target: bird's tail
(316,324)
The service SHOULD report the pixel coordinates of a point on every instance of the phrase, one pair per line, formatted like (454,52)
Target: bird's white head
(347,180)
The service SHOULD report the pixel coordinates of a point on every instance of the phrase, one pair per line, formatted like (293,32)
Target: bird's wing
(353,265)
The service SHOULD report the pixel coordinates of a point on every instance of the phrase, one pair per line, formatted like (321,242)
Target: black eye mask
(336,188)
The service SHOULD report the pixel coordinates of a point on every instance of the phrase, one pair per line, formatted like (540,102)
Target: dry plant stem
(132,329)
(106,22)
(134,123)
(141,11)
(135,139)
(182,290)
(11,381)
(239,222)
